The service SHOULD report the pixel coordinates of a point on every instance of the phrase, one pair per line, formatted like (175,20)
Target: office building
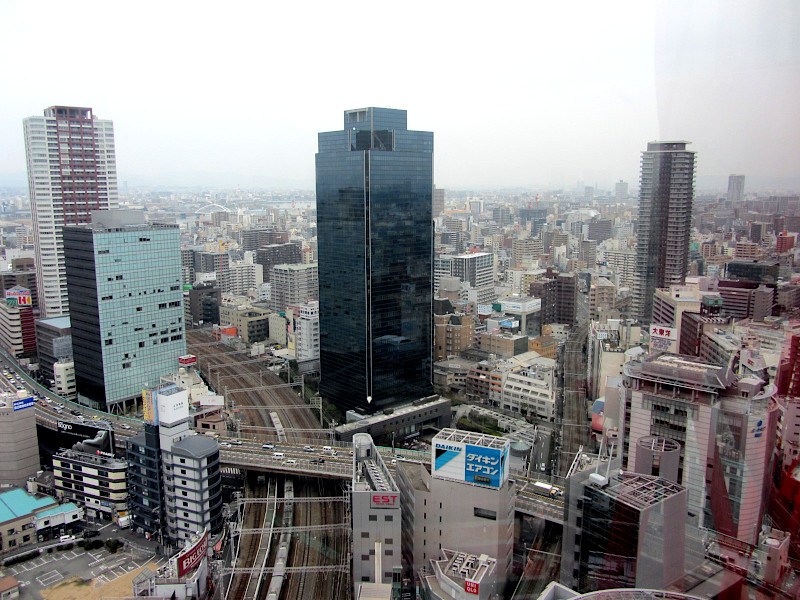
(438,201)
(278,254)
(19,447)
(174,480)
(17,328)
(621,191)
(72,171)
(303,332)
(293,284)
(94,481)
(666,193)
(201,305)
(726,426)
(376,517)
(127,318)
(374,223)
(475,269)
(22,275)
(251,323)
(258,237)
(735,188)
(619,530)
(462,501)
(53,343)
(244,277)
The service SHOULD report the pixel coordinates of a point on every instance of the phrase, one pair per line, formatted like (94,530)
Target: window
(484,513)
(391,518)
(365,534)
(389,541)
(373,517)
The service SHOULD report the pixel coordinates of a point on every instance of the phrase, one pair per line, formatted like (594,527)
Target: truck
(124,521)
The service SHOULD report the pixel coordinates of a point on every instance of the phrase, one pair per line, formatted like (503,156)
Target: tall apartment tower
(72,170)
(735,188)
(666,192)
(126,313)
(375,231)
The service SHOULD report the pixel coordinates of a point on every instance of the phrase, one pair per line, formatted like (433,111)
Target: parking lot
(99,565)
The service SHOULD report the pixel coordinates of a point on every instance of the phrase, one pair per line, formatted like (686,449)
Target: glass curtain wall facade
(374,220)
(127,310)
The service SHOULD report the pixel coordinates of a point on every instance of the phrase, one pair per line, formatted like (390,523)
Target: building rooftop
(469,437)
(684,370)
(17,503)
(58,322)
(641,491)
(196,446)
(57,510)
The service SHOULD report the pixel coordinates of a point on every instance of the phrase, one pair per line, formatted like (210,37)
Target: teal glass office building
(375,236)
(125,287)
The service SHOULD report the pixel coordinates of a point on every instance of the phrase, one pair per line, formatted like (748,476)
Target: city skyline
(551,99)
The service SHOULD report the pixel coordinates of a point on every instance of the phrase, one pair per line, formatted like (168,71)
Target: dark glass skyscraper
(374,223)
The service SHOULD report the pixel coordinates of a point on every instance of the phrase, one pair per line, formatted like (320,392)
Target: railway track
(253,385)
(249,543)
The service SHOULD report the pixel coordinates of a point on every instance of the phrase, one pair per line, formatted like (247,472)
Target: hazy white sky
(517,93)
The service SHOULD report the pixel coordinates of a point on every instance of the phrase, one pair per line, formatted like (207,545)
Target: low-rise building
(96,482)
(26,519)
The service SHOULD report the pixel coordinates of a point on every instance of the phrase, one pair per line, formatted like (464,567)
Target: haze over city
(533,94)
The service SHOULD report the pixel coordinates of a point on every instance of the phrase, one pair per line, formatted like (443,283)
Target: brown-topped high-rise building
(72,170)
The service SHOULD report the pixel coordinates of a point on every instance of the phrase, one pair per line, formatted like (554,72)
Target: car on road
(236,442)
(308,449)
(224,445)
(74,412)
(290,461)
(126,426)
(542,467)
(267,446)
(90,533)
(67,538)
(317,461)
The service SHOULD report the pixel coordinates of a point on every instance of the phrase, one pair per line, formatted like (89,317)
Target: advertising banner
(484,465)
(85,438)
(24,403)
(448,460)
(191,557)
(149,406)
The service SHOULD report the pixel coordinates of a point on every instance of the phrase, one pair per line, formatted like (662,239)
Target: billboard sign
(212,400)
(485,466)
(471,587)
(384,500)
(149,407)
(484,309)
(24,403)
(18,296)
(192,557)
(663,338)
(86,438)
(448,459)
(187,359)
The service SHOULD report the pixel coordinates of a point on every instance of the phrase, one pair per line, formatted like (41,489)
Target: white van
(278,455)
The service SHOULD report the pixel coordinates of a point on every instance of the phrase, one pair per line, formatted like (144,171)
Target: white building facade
(72,170)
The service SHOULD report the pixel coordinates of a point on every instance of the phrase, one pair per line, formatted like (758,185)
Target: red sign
(193,556)
(187,359)
(471,587)
(384,500)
